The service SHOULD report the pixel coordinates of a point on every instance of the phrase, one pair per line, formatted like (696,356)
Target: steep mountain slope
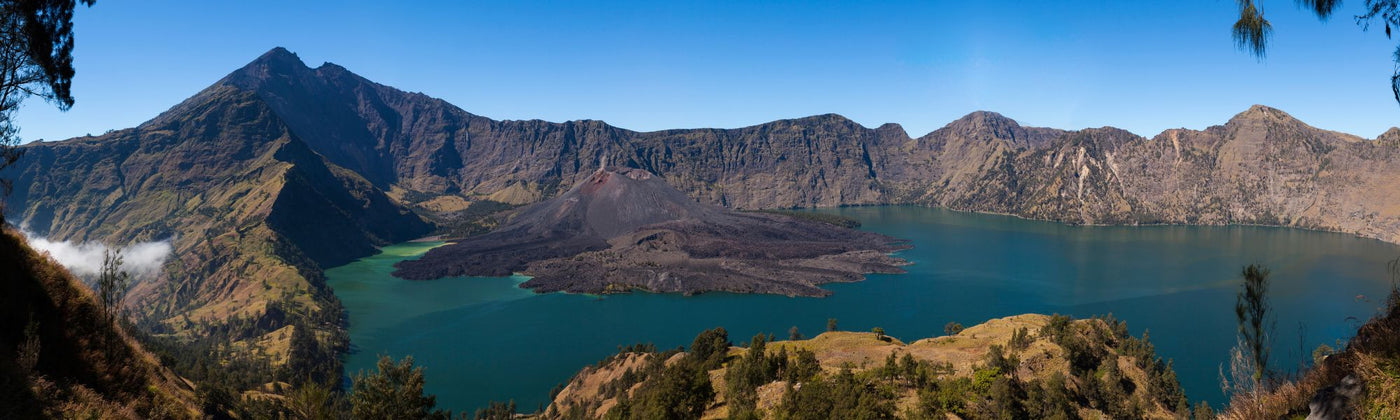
(252,213)
(71,360)
(625,228)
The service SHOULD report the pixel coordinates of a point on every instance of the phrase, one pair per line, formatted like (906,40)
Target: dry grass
(517,193)
(839,349)
(445,204)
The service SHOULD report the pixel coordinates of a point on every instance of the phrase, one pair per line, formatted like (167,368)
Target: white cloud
(143,259)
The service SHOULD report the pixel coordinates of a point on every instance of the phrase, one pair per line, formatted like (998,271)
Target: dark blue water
(482,339)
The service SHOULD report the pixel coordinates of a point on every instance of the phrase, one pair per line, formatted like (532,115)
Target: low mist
(142,259)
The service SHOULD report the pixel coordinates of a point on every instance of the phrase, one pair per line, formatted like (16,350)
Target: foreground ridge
(1025,366)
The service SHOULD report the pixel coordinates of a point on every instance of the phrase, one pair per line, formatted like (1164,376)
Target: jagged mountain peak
(277,63)
(892,128)
(1389,137)
(984,117)
(987,126)
(278,54)
(981,123)
(1262,113)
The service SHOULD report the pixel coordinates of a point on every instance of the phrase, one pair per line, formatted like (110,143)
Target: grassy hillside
(62,358)
(1027,366)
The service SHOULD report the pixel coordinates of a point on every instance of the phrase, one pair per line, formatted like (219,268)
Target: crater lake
(484,338)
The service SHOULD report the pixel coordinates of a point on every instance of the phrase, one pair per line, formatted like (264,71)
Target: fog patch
(142,259)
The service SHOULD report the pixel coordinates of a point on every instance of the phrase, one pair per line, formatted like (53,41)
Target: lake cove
(485,339)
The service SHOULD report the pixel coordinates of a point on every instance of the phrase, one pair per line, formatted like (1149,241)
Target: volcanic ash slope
(624,229)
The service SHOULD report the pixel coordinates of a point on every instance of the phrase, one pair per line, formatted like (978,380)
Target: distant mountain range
(280,170)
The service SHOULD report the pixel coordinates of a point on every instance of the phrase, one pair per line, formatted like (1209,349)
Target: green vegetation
(496,411)
(841,396)
(1252,311)
(952,328)
(746,374)
(828,218)
(679,391)
(1020,340)
(710,348)
(1247,371)
(394,392)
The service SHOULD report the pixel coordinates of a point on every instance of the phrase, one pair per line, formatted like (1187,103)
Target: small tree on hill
(1256,322)
(830,324)
(395,392)
(302,354)
(112,283)
(879,333)
(952,328)
(710,348)
(29,349)
(312,401)
(496,410)
(1249,359)
(794,334)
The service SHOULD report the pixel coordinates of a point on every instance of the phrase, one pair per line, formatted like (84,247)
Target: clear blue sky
(1142,66)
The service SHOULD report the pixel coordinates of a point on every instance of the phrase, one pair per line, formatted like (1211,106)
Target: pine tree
(393,393)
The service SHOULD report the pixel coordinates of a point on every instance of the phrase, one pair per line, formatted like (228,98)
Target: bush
(394,392)
(710,348)
(841,397)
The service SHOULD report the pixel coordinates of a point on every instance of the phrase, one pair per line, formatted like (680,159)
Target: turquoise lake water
(485,339)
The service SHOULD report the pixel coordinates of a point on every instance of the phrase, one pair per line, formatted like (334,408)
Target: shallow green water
(484,338)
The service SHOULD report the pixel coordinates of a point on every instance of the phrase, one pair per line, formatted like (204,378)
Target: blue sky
(1142,66)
